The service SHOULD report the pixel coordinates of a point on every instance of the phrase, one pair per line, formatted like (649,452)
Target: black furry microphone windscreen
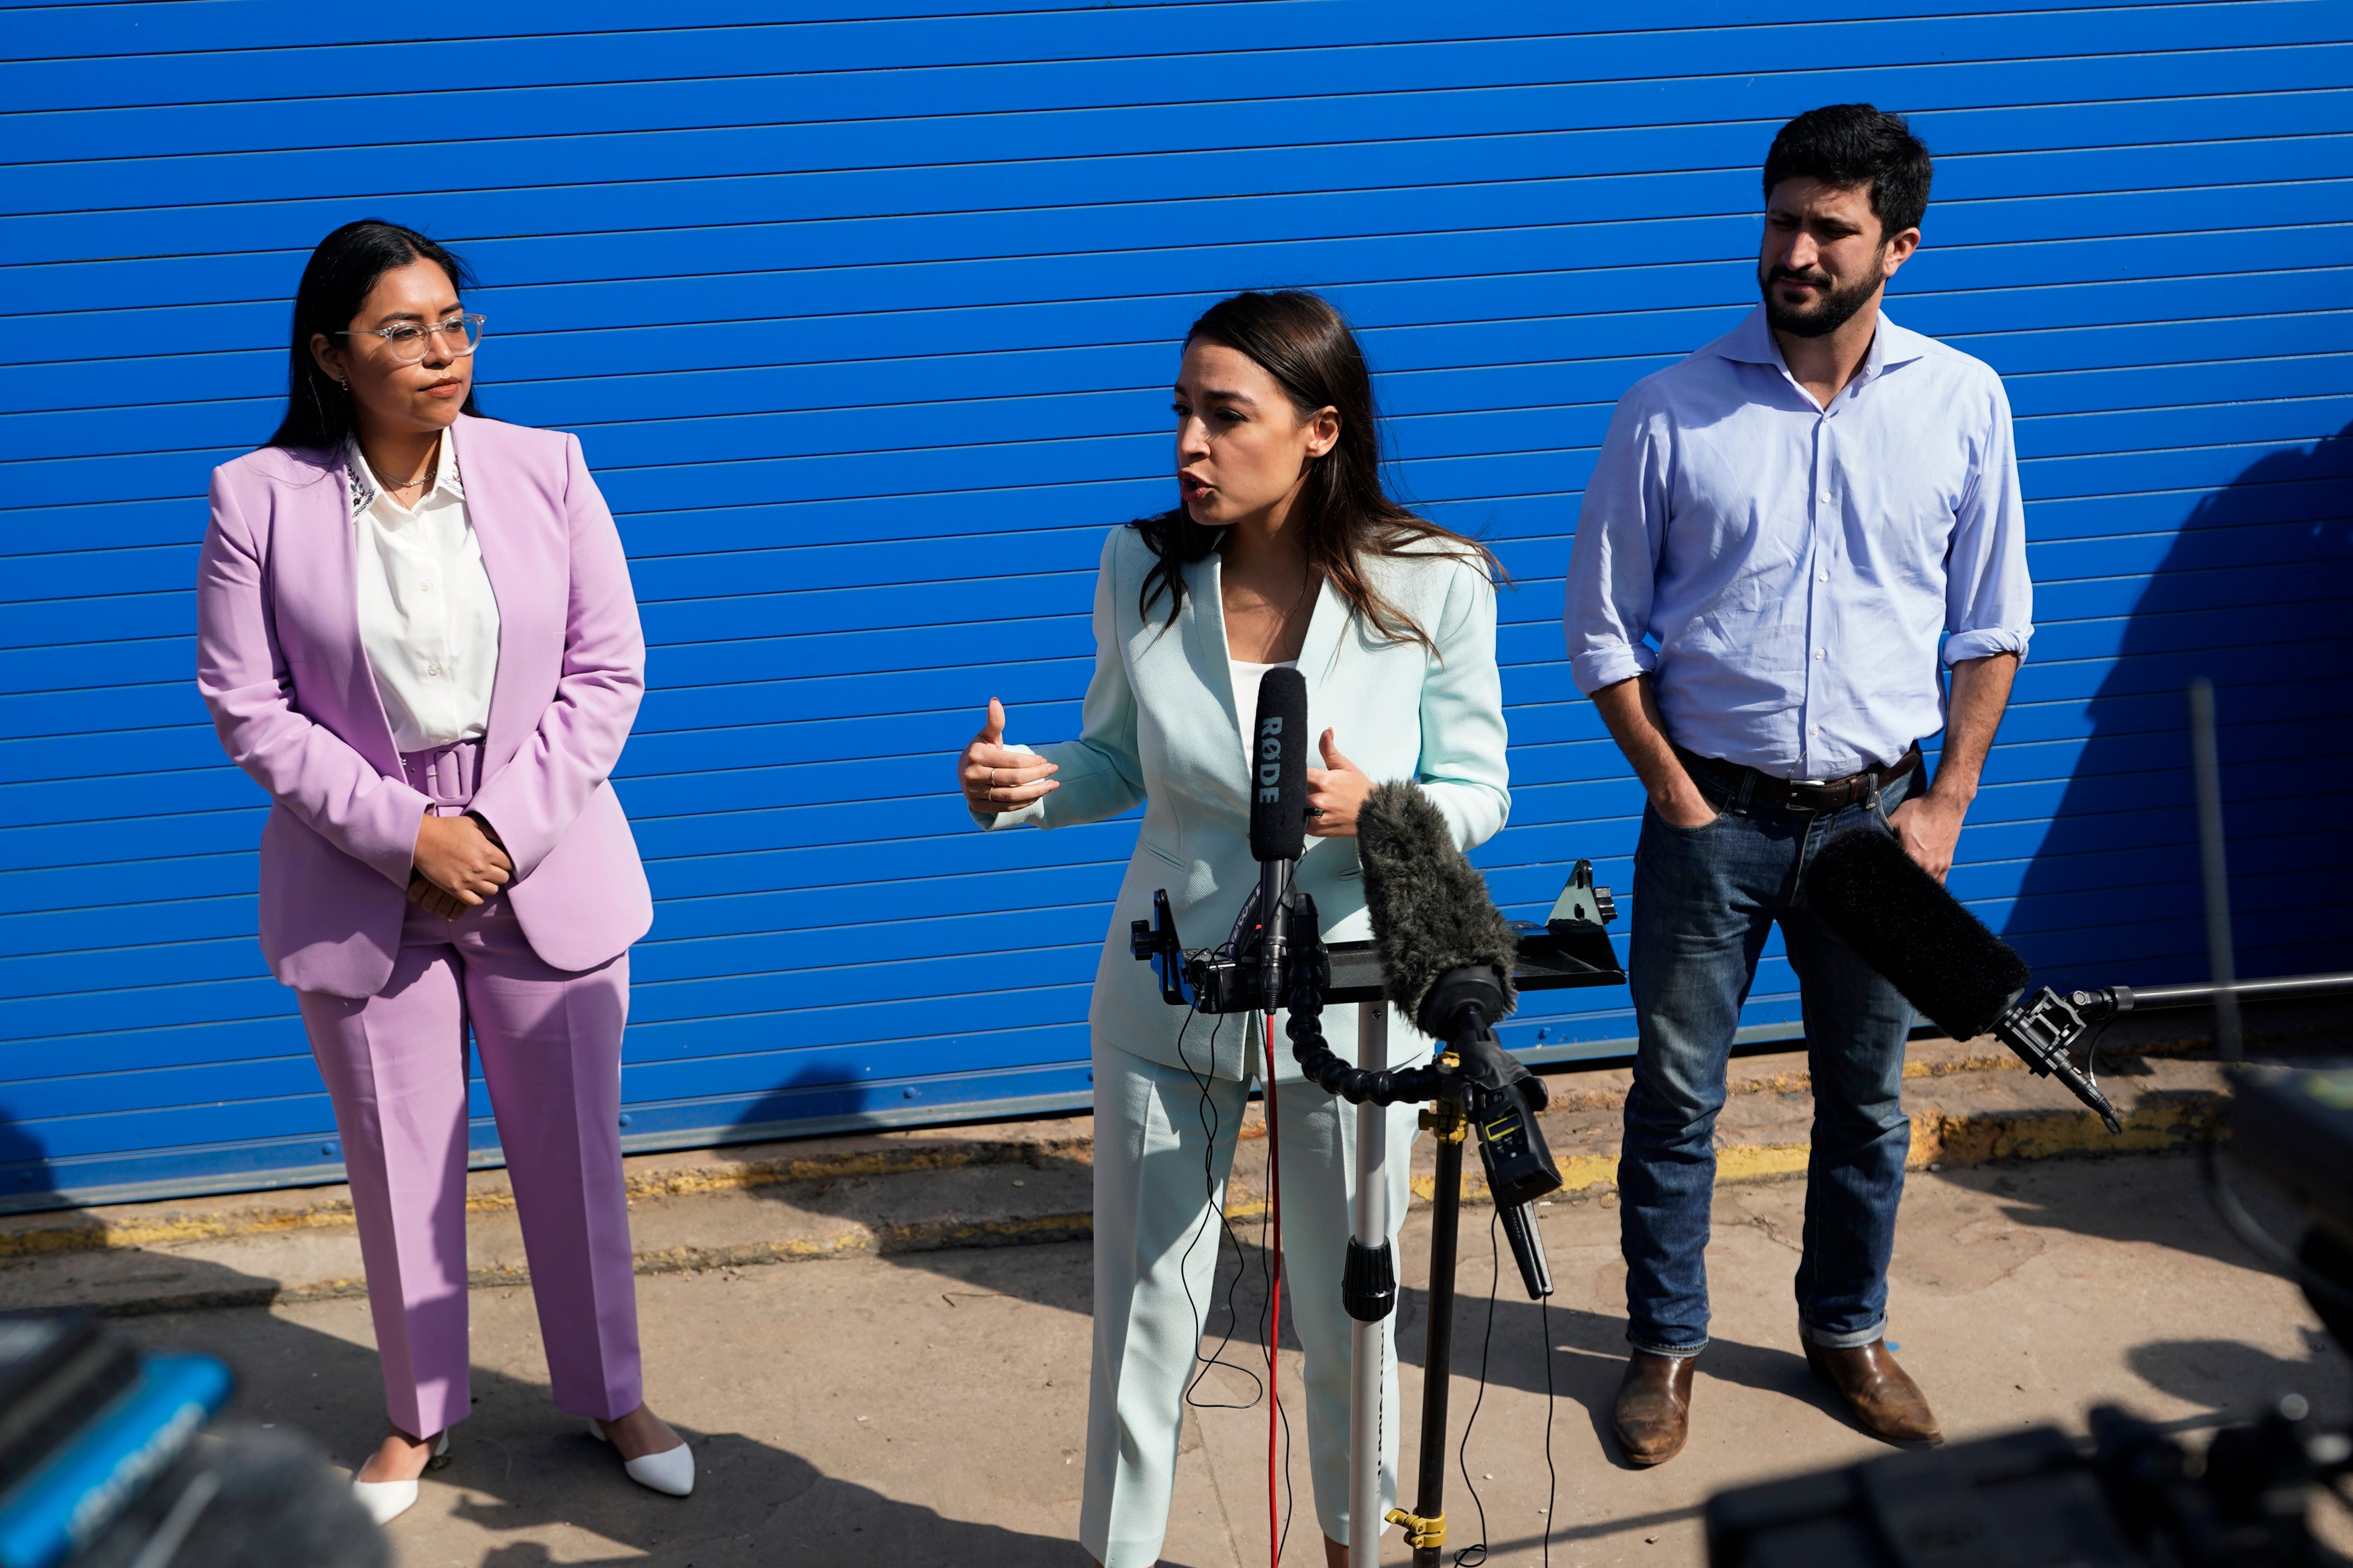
(1922,938)
(1429,906)
(1277,818)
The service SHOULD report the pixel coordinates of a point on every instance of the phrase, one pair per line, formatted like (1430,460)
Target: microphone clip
(1232,978)
(2044,1030)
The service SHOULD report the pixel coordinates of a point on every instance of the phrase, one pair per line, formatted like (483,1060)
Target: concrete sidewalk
(920,1399)
(925,1409)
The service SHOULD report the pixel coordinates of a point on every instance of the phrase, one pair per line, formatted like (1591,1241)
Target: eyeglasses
(407,340)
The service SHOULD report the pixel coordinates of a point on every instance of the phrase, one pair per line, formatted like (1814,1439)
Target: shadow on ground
(2160,1203)
(526,1465)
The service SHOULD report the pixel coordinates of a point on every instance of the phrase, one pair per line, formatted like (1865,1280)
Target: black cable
(1210,1121)
(1551,1484)
(1463,1559)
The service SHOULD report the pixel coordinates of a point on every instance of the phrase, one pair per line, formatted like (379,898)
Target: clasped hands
(995,778)
(458,862)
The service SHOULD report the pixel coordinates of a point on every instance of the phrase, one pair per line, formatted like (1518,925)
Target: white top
(1246,678)
(428,618)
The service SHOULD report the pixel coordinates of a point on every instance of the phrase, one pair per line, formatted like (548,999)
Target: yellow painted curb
(2160,1122)
(87,1234)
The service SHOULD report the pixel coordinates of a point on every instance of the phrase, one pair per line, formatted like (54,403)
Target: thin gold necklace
(432,464)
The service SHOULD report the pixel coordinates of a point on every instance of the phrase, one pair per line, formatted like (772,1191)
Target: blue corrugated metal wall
(863,316)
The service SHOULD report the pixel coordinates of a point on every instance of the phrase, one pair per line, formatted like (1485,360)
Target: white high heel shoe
(387,1501)
(670,1471)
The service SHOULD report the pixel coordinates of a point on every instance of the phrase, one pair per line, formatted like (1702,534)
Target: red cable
(1275,1329)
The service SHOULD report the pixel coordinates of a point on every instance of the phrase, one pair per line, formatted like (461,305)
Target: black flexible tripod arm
(1322,1067)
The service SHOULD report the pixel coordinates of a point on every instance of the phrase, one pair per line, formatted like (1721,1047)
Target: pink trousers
(550,1046)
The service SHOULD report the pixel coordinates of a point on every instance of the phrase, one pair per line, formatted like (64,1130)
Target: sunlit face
(1825,258)
(1243,449)
(389,394)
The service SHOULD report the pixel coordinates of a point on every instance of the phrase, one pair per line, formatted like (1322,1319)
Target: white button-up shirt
(1786,573)
(428,618)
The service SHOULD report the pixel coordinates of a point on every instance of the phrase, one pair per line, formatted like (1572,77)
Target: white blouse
(428,618)
(1246,678)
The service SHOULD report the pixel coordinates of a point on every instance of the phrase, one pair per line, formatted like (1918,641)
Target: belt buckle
(1825,799)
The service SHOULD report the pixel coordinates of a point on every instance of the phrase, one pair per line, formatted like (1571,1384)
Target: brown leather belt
(1749,787)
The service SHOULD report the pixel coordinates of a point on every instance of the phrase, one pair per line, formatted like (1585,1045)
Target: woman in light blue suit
(1283,551)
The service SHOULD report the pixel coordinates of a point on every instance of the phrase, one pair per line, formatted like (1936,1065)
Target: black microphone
(1278,819)
(1967,981)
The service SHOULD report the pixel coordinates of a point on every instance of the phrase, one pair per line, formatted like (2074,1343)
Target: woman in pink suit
(415,630)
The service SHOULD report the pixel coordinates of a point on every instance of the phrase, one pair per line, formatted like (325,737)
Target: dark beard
(1834,310)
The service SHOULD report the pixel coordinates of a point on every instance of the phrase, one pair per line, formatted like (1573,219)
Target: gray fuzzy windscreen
(1430,908)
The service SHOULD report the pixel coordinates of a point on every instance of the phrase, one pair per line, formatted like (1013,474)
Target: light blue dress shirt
(1785,572)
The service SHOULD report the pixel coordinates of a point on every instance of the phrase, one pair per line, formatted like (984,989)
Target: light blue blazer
(1160,726)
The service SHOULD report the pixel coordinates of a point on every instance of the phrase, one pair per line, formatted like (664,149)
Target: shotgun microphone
(1446,954)
(1278,818)
(1441,942)
(1967,981)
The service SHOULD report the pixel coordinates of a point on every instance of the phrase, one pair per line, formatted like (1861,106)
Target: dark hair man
(1780,532)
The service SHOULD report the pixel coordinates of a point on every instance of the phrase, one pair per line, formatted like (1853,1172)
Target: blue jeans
(1704,900)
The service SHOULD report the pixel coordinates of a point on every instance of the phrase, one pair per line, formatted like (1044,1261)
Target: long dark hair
(335,281)
(1305,344)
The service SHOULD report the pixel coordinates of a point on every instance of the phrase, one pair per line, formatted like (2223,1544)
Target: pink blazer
(280,663)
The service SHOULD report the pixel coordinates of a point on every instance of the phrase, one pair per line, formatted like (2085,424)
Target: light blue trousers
(1164,1144)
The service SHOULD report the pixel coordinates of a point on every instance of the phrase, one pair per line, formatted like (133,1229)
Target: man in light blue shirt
(1784,537)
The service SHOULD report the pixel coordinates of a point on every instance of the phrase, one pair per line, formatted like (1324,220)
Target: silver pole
(1367,1343)
(2206,760)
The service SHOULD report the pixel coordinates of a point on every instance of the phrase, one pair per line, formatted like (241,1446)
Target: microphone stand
(1368,1352)
(1274,937)
(1571,950)
(1425,1528)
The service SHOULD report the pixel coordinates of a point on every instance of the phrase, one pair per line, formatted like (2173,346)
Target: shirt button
(1826,498)
(1822,576)
(1817,653)
(436,669)
(424,587)
(1814,730)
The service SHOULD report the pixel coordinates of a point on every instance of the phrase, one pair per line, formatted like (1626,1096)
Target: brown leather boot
(1886,1403)
(1653,1413)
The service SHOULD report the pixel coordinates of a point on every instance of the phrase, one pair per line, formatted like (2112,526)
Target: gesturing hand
(996,777)
(1335,792)
(456,856)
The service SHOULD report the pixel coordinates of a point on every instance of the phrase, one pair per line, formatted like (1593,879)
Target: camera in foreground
(2130,1494)
(106,1462)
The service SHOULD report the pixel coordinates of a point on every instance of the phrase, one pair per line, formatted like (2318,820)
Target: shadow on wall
(2256,593)
(25,1173)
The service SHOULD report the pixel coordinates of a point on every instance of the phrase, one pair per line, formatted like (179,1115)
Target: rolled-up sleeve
(1988,597)
(1613,565)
